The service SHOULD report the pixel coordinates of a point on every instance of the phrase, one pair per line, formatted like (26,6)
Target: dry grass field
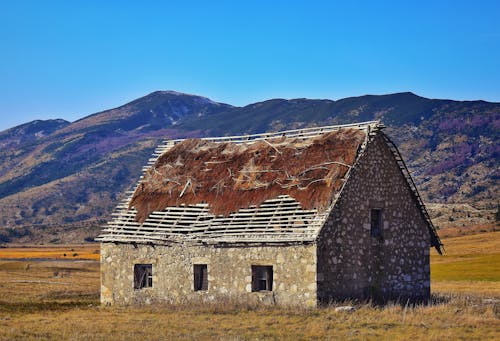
(57,299)
(471,265)
(63,252)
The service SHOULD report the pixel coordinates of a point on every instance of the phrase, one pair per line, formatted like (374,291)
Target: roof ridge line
(369,126)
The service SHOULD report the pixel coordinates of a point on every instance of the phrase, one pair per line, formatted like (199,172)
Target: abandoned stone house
(298,218)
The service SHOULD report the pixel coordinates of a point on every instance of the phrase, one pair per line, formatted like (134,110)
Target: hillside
(74,176)
(58,179)
(451,147)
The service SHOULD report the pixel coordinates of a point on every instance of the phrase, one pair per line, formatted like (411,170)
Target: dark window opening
(262,278)
(200,277)
(376,222)
(143,276)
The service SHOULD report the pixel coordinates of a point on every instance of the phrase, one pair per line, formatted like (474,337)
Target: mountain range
(60,180)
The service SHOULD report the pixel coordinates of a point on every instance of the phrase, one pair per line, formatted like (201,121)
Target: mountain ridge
(75,172)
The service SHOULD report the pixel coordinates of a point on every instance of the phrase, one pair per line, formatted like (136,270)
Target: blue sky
(68,59)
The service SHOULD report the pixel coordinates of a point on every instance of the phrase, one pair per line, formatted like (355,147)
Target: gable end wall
(352,263)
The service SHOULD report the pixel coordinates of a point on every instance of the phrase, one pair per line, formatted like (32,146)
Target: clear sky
(68,59)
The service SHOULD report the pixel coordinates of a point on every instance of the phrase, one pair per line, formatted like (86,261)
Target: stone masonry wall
(229,274)
(352,263)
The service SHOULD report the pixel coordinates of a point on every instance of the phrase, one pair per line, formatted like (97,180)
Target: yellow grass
(467,288)
(453,321)
(68,252)
(471,264)
(59,300)
(48,281)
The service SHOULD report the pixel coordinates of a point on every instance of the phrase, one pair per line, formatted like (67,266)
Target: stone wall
(352,263)
(229,274)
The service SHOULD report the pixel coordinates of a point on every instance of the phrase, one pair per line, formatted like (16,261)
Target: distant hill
(58,179)
(29,132)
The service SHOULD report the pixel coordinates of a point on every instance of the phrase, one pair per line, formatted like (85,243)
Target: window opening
(143,276)
(200,277)
(262,278)
(376,222)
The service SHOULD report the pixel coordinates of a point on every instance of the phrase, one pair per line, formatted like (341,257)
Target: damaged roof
(229,176)
(276,187)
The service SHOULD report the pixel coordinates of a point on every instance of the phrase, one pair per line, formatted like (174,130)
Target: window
(143,276)
(200,277)
(262,278)
(376,222)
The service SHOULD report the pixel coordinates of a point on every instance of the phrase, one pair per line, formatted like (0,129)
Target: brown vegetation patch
(450,232)
(229,176)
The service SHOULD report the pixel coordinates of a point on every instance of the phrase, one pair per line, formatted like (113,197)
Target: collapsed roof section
(276,187)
